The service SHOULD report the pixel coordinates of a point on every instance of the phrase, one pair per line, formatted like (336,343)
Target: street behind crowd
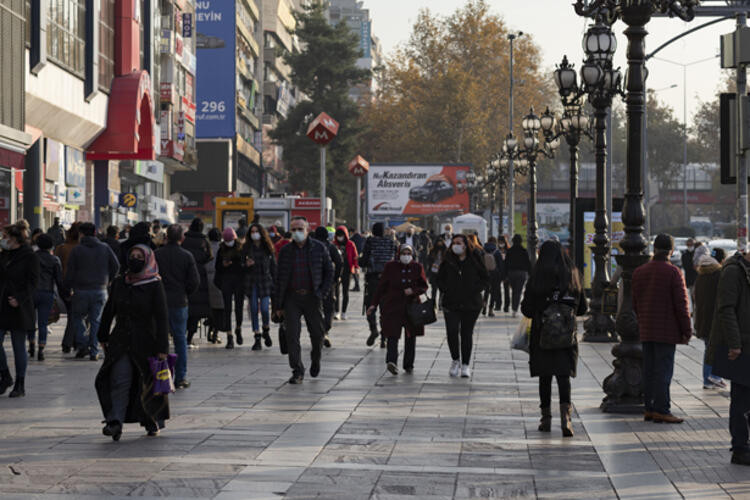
(357,431)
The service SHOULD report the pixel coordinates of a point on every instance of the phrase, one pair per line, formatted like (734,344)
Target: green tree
(323,70)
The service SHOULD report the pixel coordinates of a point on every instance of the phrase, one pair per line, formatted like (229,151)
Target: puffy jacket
(660,303)
(91,265)
(377,252)
(19,277)
(350,251)
(178,273)
(321,270)
(731,323)
(462,282)
(706,284)
(50,272)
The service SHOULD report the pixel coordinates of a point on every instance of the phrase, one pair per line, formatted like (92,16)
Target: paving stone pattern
(241,432)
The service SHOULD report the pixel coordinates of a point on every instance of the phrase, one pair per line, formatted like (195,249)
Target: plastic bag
(163,372)
(520,340)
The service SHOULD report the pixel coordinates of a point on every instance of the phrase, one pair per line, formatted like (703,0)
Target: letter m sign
(323,129)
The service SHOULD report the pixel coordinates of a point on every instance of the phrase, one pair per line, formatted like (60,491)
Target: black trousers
(371,285)
(232,286)
(739,407)
(460,328)
(328,306)
(506,292)
(517,281)
(342,292)
(545,390)
(434,291)
(410,348)
(356,280)
(296,307)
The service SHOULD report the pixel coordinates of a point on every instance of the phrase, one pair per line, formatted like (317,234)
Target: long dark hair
(265,240)
(554,270)
(469,246)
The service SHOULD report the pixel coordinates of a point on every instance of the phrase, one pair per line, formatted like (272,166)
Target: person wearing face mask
(349,254)
(321,234)
(518,266)
(378,251)
(260,262)
(137,306)
(304,277)
(401,282)
(462,277)
(274,234)
(359,244)
(230,278)
(19,278)
(447,235)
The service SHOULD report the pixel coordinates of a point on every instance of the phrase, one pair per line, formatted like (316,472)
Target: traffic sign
(323,129)
(358,167)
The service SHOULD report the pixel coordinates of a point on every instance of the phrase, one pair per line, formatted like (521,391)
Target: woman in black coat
(462,277)
(19,277)
(138,306)
(554,278)
(518,266)
(198,305)
(260,261)
(230,278)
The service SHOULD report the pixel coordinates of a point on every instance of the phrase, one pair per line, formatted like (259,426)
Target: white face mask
(299,235)
(230,244)
(458,249)
(406,258)
(255,236)
(340,238)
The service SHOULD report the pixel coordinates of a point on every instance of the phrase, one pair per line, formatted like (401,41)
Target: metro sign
(323,129)
(358,167)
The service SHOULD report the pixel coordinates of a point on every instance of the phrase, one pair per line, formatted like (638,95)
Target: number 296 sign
(210,107)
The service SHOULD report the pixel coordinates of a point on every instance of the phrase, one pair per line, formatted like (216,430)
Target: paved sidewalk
(241,432)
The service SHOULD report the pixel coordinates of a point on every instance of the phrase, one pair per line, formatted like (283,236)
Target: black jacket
(359,242)
(321,270)
(517,259)
(50,272)
(262,273)
(688,268)
(378,251)
(197,244)
(115,245)
(91,265)
(19,277)
(178,273)
(462,282)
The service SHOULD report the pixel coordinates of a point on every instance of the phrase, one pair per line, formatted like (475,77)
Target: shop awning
(130,121)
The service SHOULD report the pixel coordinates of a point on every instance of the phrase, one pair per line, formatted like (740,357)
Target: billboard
(215,42)
(618,232)
(417,189)
(75,168)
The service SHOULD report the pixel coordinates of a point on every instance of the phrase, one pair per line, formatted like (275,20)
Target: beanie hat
(229,234)
(663,242)
(44,241)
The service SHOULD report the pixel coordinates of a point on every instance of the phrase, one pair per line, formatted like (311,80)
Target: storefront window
(66,34)
(106,44)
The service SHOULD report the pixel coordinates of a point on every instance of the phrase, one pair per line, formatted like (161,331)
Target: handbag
(520,339)
(163,372)
(421,312)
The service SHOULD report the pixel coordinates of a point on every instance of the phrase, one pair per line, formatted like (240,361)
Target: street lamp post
(624,387)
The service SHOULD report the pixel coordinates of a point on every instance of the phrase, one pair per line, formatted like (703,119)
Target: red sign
(306,203)
(165,91)
(358,167)
(323,129)
(172,149)
(189,109)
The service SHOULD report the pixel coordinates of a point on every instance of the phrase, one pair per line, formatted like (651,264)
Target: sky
(557,30)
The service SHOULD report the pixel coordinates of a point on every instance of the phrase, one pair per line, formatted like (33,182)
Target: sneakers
(337,316)
(455,368)
(465,371)
(182,384)
(296,379)
(666,418)
(343,316)
(392,367)
(326,341)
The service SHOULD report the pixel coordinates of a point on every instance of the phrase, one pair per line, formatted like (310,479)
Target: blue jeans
(264,304)
(43,300)
(739,406)
(18,339)
(178,326)
(87,303)
(658,365)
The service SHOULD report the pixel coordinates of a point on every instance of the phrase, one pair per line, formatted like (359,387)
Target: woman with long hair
(554,279)
(462,278)
(259,260)
(137,305)
(349,255)
(230,278)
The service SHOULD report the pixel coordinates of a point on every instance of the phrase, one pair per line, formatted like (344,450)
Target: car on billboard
(208,42)
(436,188)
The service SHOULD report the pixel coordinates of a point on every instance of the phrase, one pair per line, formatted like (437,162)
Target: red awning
(130,121)
(11,159)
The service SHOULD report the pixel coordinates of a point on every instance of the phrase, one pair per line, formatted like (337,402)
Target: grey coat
(215,298)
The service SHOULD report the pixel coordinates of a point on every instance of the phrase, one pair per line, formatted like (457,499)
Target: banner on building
(365,39)
(215,27)
(417,189)
(75,168)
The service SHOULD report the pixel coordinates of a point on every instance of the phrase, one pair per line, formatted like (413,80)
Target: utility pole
(741,133)
(511,169)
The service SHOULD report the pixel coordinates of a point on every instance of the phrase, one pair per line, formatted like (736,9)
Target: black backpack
(559,326)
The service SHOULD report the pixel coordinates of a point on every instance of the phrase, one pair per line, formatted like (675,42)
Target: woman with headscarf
(140,234)
(138,306)
(401,282)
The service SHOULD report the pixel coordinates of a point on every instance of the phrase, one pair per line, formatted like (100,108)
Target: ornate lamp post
(623,388)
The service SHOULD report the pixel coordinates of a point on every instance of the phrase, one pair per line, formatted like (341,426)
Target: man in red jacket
(660,302)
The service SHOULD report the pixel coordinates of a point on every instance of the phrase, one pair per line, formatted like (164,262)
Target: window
(66,34)
(106,44)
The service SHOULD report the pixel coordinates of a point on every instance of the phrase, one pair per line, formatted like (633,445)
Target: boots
(257,346)
(545,424)
(267,336)
(18,390)
(565,423)
(5,381)
(230,341)
(40,353)
(238,333)
(32,350)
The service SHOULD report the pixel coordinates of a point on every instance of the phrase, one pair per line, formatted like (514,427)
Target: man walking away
(180,277)
(91,267)
(321,234)
(303,279)
(730,339)
(661,304)
(689,270)
(378,250)
(112,241)
(56,232)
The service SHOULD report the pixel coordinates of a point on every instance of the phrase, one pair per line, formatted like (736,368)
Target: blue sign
(187,25)
(128,200)
(75,168)
(215,89)
(365,41)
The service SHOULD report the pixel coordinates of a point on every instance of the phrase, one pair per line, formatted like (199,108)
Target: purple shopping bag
(163,373)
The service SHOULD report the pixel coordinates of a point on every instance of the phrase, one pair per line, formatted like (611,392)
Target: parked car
(437,188)
(729,246)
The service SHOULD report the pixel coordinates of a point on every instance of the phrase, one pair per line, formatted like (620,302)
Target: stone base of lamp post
(599,327)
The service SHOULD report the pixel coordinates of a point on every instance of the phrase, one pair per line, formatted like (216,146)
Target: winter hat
(664,243)
(321,233)
(700,252)
(229,234)
(707,260)
(44,241)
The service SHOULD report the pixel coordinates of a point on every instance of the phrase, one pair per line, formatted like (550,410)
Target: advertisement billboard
(75,168)
(417,189)
(618,232)
(215,33)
